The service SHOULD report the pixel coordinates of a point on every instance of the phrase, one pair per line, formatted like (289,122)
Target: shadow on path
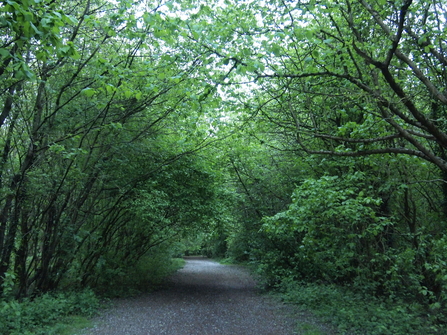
(203,298)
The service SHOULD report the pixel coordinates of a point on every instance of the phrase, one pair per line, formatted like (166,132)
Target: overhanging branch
(358,140)
(360,153)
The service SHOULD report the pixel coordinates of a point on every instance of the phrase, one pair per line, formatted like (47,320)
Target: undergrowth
(355,313)
(47,314)
(148,274)
(62,313)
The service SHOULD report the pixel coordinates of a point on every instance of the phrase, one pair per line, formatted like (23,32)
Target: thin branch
(397,38)
(420,75)
(360,153)
(427,43)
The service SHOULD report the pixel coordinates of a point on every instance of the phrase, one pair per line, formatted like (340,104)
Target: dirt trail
(203,298)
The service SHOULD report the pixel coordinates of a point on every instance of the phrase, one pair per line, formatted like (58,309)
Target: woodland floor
(205,298)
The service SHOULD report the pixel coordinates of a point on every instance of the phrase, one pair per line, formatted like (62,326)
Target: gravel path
(203,298)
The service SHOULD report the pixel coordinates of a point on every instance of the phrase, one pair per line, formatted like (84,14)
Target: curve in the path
(203,298)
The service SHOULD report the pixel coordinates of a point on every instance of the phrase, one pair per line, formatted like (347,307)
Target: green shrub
(359,313)
(43,313)
(143,276)
(52,313)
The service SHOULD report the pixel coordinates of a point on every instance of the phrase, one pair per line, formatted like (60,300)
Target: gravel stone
(203,298)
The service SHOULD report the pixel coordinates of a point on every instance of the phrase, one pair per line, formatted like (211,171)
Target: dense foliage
(46,314)
(95,171)
(307,137)
(347,97)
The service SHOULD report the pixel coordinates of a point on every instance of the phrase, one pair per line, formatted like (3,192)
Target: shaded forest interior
(307,138)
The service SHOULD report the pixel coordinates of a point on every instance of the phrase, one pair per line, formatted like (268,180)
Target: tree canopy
(308,137)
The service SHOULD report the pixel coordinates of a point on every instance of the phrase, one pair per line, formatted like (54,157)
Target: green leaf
(128,93)
(89,92)
(41,55)
(276,49)
(4,53)
(422,39)
(110,88)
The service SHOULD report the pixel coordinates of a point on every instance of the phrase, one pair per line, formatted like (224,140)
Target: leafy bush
(359,313)
(335,224)
(147,274)
(42,314)
(333,233)
(50,313)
